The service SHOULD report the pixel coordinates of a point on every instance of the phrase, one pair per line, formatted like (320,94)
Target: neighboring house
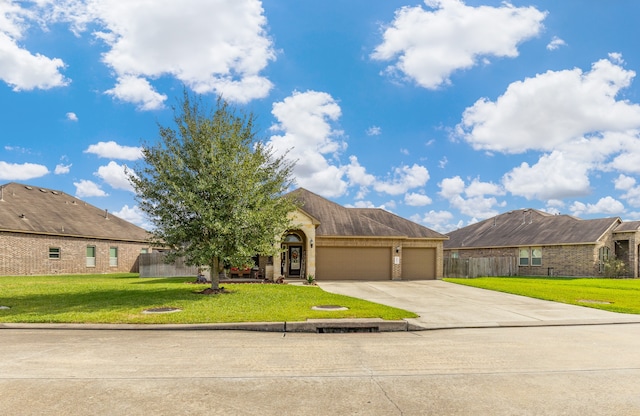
(331,242)
(43,231)
(543,244)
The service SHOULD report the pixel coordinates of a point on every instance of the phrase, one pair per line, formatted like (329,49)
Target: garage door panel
(353,263)
(418,263)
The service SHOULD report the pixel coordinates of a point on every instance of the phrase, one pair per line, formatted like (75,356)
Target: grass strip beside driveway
(615,295)
(123,298)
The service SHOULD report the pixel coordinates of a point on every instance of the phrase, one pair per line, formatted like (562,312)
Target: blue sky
(442,111)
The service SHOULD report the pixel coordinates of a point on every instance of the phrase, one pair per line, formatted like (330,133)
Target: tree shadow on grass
(43,307)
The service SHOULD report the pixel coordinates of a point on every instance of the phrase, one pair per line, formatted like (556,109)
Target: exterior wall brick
(562,260)
(28,254)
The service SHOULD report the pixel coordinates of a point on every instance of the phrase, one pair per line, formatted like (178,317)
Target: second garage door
(418,263)
(353,263)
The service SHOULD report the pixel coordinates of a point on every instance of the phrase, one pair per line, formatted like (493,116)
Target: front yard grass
(122,298)
(616,295)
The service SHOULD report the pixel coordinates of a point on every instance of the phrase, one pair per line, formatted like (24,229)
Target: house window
(144,251)
(54,252)
(91,256)
(455,255)
(113,256)
(524,257)
(536,256)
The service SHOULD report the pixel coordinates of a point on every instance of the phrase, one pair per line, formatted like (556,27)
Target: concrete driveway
(447,305)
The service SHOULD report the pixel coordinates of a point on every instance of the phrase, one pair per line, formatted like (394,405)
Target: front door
(295,260)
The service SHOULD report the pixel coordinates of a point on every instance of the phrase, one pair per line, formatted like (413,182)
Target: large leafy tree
(212,190)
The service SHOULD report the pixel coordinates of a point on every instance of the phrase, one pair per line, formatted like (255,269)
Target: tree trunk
(215,273)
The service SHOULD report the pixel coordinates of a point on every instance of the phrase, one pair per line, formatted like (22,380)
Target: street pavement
(574,370)
(499,355)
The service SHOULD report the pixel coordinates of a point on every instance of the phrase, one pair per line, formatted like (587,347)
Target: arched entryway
(293,259)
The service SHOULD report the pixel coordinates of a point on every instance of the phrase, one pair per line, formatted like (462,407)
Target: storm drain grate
(163,309)
(329,308)
(346,329)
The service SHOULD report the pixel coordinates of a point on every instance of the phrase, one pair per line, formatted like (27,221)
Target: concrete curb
(310,326)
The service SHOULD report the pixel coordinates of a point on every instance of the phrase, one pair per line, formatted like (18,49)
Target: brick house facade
(339,243)
(543,244)
(43,232)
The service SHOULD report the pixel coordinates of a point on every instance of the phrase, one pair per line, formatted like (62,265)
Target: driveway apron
(443,305)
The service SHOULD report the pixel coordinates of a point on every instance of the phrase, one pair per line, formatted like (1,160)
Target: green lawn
(122,298)
(616,295)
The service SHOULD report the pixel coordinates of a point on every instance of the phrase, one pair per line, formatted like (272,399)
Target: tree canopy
(213,191)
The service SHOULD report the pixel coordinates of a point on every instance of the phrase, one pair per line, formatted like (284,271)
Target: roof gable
(628,226)
(336,220)
(530,227)
(29,209)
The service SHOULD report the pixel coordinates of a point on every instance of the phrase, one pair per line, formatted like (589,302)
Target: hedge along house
(542,244)
(331,242)
(43,231)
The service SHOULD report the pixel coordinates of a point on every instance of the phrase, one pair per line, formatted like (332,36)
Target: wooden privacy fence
(484,266)
(153,265)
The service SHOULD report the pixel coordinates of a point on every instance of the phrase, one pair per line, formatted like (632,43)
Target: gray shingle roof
(336,220)
(529,227)
(31,209)
(628,226)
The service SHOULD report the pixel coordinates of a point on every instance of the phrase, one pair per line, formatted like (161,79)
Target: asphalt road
(554,370)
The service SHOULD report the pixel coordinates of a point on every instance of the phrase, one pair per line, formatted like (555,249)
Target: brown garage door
(418,263)
(353,263)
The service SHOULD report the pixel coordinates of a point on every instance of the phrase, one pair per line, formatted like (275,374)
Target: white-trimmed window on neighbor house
(113,256)
(54,253)
(524,257)
(91,256)
(530,256)
(536,256)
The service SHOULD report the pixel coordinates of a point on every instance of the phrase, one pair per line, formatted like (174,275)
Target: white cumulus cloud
(552,109)
(134,215)
(555,176)
(415,199)
(606,206)
(310,138)
(476,200)
(113,150)
(86,188)
(429,45)
(217,46)
(556,43)
(20,68)
(21,171)
(62,169)
(115,175)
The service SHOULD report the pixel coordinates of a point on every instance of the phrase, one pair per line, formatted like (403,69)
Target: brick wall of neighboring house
(28,254)
(565,260)
(569,260)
